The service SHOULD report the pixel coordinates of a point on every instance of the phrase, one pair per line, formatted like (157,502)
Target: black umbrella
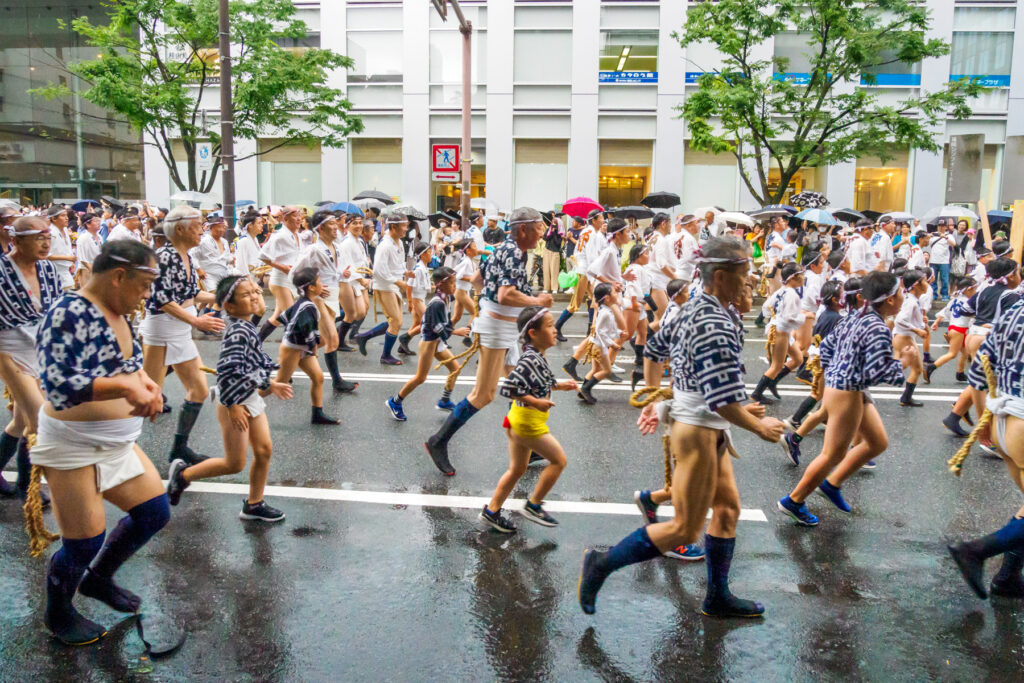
(871,215)
(410,211)
(661,200)
(436,218)
(374,194)
(325,202)
(771,211)
(116,203)
(638,212)
(848,215)
(808,199)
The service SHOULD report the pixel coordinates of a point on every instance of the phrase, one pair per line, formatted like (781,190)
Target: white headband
(536,316)
(880,299)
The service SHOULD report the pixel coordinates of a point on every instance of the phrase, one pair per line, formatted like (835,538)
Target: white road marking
(432,500)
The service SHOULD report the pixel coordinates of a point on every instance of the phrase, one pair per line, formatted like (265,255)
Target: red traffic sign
(444,158)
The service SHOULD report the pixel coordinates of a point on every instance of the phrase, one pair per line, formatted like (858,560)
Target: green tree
(158,65)
(749,109)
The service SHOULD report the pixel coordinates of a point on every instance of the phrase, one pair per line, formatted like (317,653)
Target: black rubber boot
(186,421)
(758,394)
(570,369)
(585,394)
(319,417)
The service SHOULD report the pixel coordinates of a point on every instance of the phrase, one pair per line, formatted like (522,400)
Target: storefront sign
(905,80)
(992,81)
(627,77)
(966,158)
(204,156)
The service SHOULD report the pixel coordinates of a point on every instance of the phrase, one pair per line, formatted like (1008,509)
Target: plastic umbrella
(580,206)
(898,216)
(808,199)
(346,207)
(955,212)
(637,212)
(657,200)
(848,215)
(410,211)
(702,211)
(772,210)
(736,218)
(488,206)
(325,202)
(384,199)
(819,216)
(83,205)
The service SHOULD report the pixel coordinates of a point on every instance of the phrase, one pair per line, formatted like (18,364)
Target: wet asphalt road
(346,590)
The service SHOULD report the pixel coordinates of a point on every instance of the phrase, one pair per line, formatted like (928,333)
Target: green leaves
(823,115)
(158,59)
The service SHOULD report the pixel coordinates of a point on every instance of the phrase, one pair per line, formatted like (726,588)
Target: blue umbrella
(83,205)
(819,216)
(1000,216)
(346,207)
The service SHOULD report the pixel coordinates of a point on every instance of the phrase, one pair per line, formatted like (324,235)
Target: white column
(416,105)
(840,184)
(157,177)
(245,171)
(334,161)
(667,174)
(500,144)
(927,188)
(583,142)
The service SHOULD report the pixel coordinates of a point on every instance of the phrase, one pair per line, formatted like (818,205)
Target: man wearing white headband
(23,272)
(61,250)
(389,274)
(506,291)
(128,226)
(588,245)
(214,254)
(87,247)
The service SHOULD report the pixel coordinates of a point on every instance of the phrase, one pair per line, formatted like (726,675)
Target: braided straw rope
(769,343)
(39,536)
(449,383)
(762,285)
(817,372)
(956,463)
(209,371)
(9,398)
(644,397)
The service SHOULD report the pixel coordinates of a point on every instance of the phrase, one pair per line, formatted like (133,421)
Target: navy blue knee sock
(131,533)
(562,319)
(24,465)
(458,417)
(1010,537)
(389,343)
(8,447)
(376,331)
(70,561)
(635,548)
(718,552)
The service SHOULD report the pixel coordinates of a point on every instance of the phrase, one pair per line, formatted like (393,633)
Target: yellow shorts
(527,422)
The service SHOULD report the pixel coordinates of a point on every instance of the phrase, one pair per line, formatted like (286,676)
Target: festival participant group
(93,324)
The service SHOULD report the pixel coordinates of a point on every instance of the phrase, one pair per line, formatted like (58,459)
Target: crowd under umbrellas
(324,265)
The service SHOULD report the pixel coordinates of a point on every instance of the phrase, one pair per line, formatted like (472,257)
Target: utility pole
(466,29)
(227,123)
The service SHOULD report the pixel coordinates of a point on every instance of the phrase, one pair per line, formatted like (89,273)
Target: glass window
(451,96)
(446,56)
(311,17)
(541,172)
(982,53)
(476,15)
(542,57)
(893,72)
(377,56)
(375,96)
(374,17)
(624,172)
(793,50)
(629,57)
(701,58)
(629,17)
(984,18)
(376,165)
(636,97)
(543,17)
(708,179)
(881,187)
(542,96)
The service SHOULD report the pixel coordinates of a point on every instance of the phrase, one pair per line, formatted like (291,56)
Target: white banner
(204,156)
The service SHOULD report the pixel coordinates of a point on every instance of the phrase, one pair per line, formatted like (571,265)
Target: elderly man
(128,226)
(506,292)
(171,315)
(62,252)
(214,253)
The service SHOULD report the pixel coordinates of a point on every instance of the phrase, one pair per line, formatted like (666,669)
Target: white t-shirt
(939,249)
(60,245)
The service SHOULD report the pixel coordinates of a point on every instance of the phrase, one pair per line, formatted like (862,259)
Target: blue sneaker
(646,506)
(446,405)
(797,512)
(869,465)
(686,553)
(834,495)
(395,408)
(791,448)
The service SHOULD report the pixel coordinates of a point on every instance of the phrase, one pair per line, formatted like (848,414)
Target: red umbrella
(580,206)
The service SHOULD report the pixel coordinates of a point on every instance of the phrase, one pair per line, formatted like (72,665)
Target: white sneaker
(616,369)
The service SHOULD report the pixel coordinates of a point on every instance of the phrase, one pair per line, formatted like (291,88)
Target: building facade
(60,148)
(581,98)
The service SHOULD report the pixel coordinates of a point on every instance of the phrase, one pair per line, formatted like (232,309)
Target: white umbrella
(735,217)
(955,212)
(369,203)
(10,204)
(201,199)
(898,216)
(488,206)
(699,213)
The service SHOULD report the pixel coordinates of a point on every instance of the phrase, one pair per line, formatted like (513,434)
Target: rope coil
(39,537)
(817,372)
(449,383)
(770,342)
(956,463)
(644,397)
(762,285)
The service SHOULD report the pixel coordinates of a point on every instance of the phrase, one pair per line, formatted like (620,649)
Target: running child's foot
(445,405)
(961,377)
(869,465)
(188,455)
(345,387)
(910,403)
(389,360)
(971,567)
(726,605)
(439,454)
(797,511)
(260,512)
(537,515)
(536,459)
(109,593)
(929,368)
(687,553)
(774,391)
(7,489)
(559,336)
(570,369)
(792,424)
(615,379)
(361,344)
(176,483)
(395,408)
(834,495)
(584,395)
(1012,587)
(647,507)
(319,417)
(952,423)
(590,581)
(791,448)
(636,378)
(497,521)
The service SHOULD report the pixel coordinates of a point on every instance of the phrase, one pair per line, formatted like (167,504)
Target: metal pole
(227,132)
(467,117)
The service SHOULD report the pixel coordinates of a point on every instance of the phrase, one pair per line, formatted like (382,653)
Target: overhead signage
(627,77)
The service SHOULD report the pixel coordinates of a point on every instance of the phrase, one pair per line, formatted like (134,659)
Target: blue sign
(692,76)
(627,77)
(907,80)
(989,81)
(792,77)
